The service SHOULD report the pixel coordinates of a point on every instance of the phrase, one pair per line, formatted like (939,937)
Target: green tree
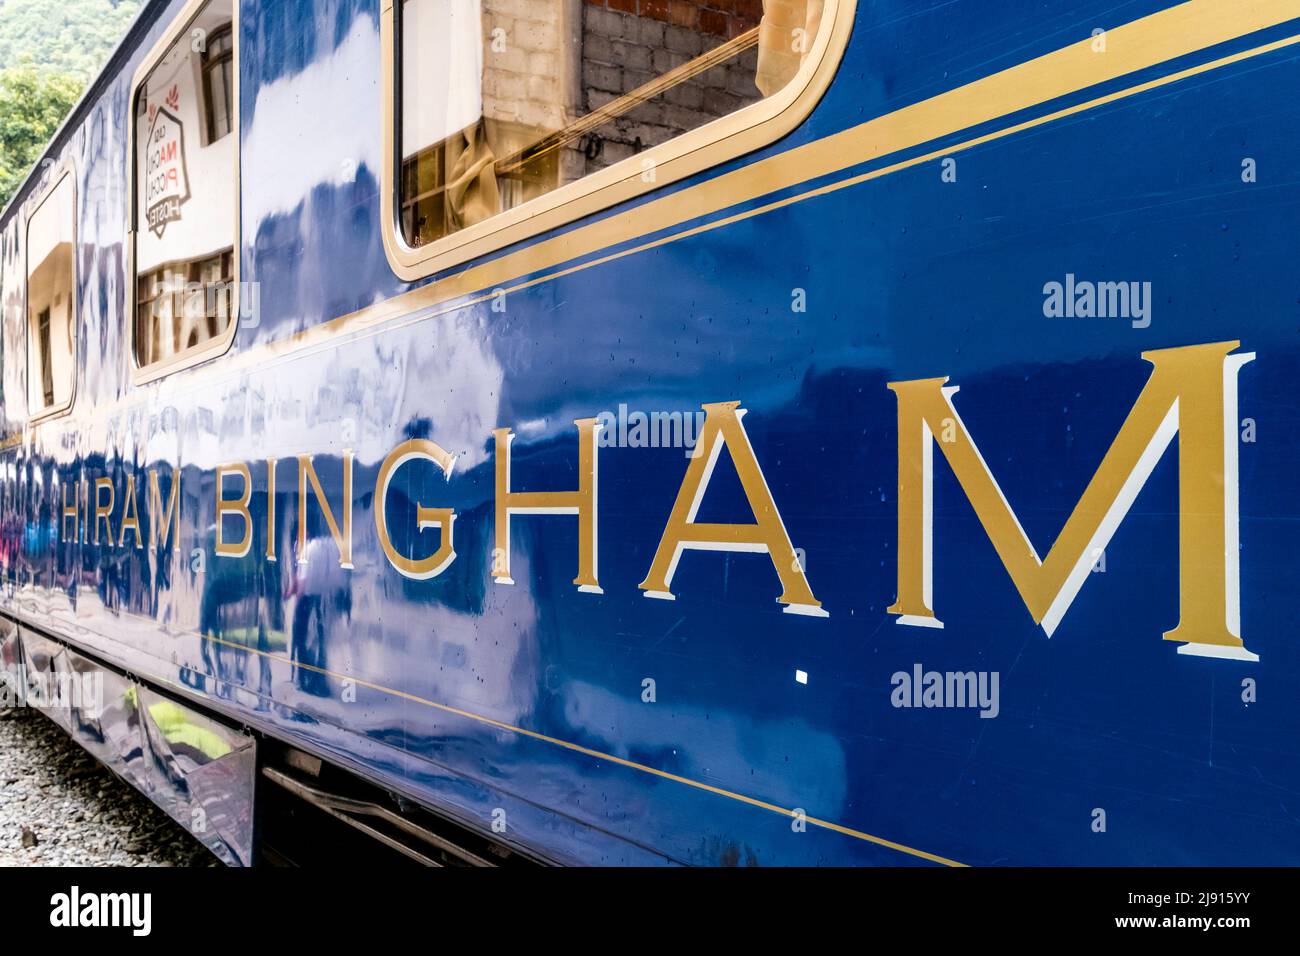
(32,105)
(65,36)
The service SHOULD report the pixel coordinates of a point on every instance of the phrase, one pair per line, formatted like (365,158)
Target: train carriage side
(548,411)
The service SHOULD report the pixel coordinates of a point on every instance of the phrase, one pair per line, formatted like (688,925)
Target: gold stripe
(577,748)
(1135,46)
(877,138)
(393,310)
(1144,43)
(1201,22)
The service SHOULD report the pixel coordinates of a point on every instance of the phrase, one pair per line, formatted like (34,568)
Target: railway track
(60,807)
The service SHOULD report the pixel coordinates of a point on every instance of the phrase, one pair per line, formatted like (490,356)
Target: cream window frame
(141,374)
(749,128)
(67,171)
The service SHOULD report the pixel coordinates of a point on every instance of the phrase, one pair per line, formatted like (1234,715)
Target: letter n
(343,539)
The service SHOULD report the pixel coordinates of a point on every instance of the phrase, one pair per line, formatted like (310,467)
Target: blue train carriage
(547,411)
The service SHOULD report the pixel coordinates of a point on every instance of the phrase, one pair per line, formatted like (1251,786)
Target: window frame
(65,171)
(206,68)
(749,128)
(216,347)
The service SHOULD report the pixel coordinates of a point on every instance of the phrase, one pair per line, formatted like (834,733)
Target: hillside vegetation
(62,36)
(49,50)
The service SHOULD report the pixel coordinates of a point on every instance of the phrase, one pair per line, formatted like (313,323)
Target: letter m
(1192,393)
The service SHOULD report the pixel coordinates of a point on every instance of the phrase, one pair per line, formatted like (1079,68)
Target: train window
(186,184)
(512,116)
(218,66)
(51,301)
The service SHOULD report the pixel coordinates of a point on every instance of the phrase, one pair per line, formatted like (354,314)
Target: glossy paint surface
(527,703)
(197,769)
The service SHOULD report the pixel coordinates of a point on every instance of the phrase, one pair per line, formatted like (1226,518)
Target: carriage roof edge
(146,17)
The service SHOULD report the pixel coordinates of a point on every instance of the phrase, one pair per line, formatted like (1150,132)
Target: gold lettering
(71,511)
(130,516)
(441,518)
(767,535)
(170,521)
(237,507)
(270,509)
(581,503)
(1192,392)
(104,513)
(307,473)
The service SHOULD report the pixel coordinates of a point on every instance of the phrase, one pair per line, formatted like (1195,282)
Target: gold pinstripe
(1180,30)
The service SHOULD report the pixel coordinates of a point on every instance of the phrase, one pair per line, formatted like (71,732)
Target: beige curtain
(780,49)
(472,192)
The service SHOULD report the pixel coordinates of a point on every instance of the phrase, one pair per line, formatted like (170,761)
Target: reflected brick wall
(719,18)
(629,42)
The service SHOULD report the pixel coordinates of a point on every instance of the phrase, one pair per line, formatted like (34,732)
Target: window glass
(186,168)
(51,300)
(218,66)
(505,100)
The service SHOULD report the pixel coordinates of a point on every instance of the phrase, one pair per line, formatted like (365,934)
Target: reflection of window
(185,192)
(183,305)
(497,111)
(218,64)
(47,360)
(51,303)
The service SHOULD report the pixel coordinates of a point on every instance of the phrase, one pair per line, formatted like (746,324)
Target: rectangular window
(218,65)
(47,360)
(51,301)
(190,302)
(501,103)
(184,231)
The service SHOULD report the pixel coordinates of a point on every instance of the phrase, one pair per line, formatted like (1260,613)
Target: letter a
(767,535)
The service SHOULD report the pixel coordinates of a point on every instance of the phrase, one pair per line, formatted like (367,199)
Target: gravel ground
(59,807)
